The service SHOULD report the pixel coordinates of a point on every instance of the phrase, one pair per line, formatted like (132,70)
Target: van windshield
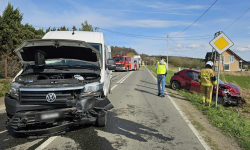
(119,59)
(97,46)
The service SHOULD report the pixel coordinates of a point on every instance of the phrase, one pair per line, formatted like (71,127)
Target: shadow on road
(140,90)
(132,129)
(148,82)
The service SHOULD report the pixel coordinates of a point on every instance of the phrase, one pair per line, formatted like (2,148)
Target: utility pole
(167,51)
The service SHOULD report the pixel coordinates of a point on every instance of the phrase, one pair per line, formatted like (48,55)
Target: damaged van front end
(56,90)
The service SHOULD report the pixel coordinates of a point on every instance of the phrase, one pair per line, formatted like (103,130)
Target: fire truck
(126,63)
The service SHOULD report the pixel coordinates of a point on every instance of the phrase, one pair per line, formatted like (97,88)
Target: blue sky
(150,18)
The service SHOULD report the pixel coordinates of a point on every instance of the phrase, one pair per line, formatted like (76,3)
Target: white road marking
(2,131)
(46,143)
(122,79)
(125,77)
(51,139)
(113,87)
(187,121)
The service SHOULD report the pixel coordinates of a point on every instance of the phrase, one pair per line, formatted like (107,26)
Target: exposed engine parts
(40,77)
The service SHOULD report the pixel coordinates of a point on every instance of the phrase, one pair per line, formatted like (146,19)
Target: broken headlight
(14,90)
(93,87)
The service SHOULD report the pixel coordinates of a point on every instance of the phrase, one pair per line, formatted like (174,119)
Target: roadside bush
(150,60)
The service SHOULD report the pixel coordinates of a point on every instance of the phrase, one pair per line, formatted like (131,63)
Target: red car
(188,79)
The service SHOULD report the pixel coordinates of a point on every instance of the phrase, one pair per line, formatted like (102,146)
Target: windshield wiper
(58,67)
(84,67)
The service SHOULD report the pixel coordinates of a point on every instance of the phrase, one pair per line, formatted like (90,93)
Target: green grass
(168,77)
(242,81)
(228,120)
(4,87)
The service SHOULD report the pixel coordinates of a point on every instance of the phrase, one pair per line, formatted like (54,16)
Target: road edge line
(204,144)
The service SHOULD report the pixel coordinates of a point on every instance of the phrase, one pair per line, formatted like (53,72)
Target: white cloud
(179,45)
(171,6)
(243,49)
(193,46)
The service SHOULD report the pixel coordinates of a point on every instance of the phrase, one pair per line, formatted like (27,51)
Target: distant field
(242,81)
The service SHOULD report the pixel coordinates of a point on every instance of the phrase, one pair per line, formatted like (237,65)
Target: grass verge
(228,120)
(4,87)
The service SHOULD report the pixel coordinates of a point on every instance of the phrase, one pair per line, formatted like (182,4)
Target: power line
(237,19)
(173,40)
(130,34)
(196,19)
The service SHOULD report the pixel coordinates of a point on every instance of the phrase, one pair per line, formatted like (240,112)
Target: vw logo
(51,97)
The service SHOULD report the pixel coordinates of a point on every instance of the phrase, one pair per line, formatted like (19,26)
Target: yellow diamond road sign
(221,43)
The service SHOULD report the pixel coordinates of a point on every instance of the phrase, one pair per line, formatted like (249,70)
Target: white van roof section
(89,37)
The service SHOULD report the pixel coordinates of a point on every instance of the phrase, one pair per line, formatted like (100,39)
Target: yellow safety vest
(161,69)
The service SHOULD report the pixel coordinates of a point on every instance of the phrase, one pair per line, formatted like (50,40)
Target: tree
(47,30)
(131,54)
(74,28)
(10,29)
(86,27)
(13,33)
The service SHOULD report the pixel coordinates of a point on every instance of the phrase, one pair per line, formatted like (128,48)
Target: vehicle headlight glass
(14,91)
(92,87)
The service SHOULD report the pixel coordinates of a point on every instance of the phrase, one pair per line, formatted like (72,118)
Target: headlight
(93,87)
(14,91)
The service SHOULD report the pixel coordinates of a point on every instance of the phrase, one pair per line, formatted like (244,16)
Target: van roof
(87,36)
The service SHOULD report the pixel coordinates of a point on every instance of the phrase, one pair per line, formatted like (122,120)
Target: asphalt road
(140,120)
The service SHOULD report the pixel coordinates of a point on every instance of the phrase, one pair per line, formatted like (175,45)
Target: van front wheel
(101,119)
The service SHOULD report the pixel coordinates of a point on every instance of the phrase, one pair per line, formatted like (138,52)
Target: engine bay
(48,78)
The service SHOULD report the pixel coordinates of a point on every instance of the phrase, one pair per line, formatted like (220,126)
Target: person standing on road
(207,80)
(161,67)
(142,65)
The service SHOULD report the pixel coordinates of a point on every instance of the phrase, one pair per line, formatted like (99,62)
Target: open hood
(53,49)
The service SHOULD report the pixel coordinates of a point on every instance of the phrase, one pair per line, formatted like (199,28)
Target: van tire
(101,119)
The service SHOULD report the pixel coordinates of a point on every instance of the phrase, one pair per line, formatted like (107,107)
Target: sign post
(221,43)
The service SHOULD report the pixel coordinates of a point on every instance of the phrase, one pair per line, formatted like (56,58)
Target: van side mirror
(111,64)
(39,58)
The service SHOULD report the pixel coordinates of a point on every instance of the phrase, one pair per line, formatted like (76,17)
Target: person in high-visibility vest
(207,80)
(161,68)
(142,65)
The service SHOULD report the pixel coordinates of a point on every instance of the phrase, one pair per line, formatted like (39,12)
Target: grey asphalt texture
(140,120)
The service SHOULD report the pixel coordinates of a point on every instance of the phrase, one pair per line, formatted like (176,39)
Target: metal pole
(6,65)
(218,79)
(167,54)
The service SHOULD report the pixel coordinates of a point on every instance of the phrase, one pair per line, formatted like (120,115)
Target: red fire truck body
(124,63)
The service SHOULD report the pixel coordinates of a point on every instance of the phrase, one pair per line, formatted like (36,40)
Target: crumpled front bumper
(31,120)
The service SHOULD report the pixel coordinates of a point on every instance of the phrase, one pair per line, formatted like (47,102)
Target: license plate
(49,116)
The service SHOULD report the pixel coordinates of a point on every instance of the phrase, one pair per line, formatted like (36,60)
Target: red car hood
(233,89)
